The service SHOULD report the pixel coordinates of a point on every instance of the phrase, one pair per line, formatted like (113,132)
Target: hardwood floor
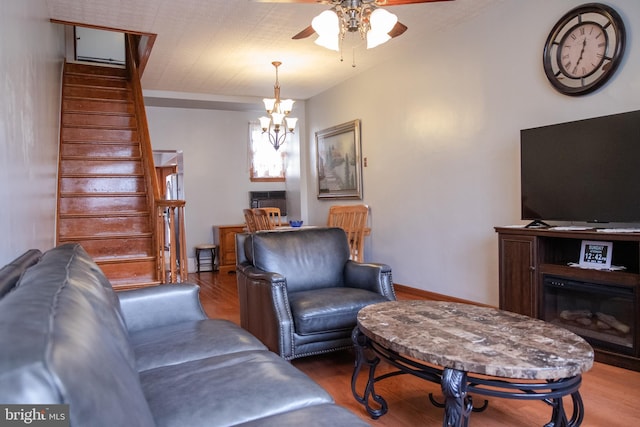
(611,395)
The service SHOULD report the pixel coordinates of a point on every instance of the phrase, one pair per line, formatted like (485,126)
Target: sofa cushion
(67,343)
(309,258)
(237,388)
(329,309)
(187,341)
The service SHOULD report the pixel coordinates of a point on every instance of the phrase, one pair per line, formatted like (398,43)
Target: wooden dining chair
(250,220)
(353,220)
(262,221)
(274,216)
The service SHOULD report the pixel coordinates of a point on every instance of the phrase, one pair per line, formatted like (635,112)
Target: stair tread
(103,158)
(108,127)
(90,98)
(124,286)
(106,236)
(99,113)
(80,141)
(101,175)
(85,70)
(110,214)
(123,259)
(76,73)
(103,194)
(101,191)
(92,85)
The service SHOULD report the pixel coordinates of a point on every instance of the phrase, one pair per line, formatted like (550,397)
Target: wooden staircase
(104,198)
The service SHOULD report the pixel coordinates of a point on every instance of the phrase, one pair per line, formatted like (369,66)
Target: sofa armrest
(373,277)
(264,308)
(11,273)
(160,305)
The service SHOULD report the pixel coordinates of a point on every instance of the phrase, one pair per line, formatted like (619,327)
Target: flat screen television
(582,171)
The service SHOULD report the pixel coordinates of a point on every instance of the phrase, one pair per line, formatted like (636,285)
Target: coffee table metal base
(459,386)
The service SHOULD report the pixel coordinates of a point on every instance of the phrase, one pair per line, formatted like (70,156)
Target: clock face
(584,49)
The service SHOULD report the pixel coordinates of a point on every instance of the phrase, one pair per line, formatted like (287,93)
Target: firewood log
(575,314)
(613,322)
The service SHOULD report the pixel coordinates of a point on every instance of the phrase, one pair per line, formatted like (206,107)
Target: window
(267,164)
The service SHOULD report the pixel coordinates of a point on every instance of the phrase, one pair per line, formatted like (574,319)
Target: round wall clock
(584,49)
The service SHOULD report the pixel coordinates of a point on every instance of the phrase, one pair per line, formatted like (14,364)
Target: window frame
(259,142)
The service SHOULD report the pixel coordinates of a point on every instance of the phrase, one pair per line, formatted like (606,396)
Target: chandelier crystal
(362,16)
(277,124)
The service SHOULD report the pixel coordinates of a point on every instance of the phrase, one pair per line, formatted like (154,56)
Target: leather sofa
(299,291)
(144,357)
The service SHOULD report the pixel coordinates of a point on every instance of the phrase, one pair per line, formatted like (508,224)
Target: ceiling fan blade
(399,2)
(304,33)
(397,30)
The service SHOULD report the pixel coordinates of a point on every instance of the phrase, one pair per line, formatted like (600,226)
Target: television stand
(534,268)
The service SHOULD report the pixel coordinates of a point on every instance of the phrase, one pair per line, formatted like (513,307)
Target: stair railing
(168,223)
(170,214)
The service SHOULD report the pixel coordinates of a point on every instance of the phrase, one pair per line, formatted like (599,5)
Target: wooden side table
(226,238)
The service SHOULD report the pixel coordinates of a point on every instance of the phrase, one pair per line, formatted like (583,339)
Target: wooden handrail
(173,209)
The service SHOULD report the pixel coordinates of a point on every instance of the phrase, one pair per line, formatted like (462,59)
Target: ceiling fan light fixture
(326,24)
(382,21)
(329,42)
(375,38)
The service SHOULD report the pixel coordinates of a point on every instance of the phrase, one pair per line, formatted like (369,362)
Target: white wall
(216,165)
(31,52)
(441,136)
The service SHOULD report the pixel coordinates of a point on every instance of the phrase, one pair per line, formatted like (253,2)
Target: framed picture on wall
(596,254)
(339,162)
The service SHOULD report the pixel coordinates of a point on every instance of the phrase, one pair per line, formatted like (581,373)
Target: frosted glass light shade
(291,123)
(264,123)
(329,42)
(376,38)
(327,25)
(269,103)
(277,119)
(382,21)
(286,105)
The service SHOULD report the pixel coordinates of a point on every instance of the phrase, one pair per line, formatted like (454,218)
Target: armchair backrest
(309,258)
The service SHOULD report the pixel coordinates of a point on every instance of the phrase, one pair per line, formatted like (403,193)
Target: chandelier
(349,16)
(277,124)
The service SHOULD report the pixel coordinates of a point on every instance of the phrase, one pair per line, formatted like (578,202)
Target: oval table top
(481,340)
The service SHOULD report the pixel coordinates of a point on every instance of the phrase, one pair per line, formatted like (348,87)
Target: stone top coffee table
(470,350)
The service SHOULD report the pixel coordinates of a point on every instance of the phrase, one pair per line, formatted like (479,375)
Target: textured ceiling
(225,47)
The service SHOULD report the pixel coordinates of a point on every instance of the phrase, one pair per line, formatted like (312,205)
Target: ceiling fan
(366,17)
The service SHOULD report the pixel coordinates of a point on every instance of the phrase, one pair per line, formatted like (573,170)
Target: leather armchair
(299,292)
